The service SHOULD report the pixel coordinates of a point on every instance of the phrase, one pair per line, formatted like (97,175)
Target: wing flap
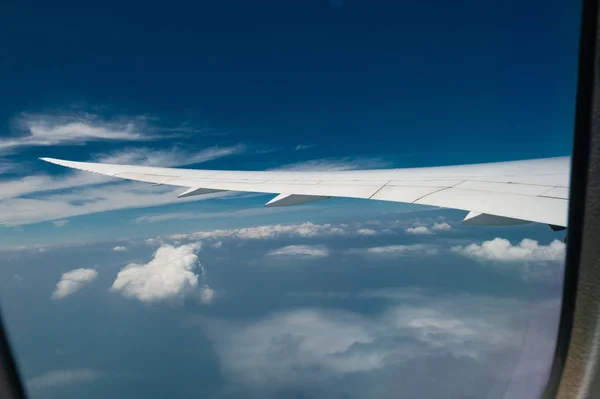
(293,199)
(483,219)
(197,191)
(515,206)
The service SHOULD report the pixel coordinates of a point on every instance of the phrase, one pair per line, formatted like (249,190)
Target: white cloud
(332,164)
(441,226)
(167,157)
(32,199)
(119,248)
(532,261)
(396,250)
(171,274)
(74,128)
(217,244)
(72,282)
(501,250)
(87,200)
(367,232)
(42,183)
(315,347)
(60,223)
(163,217)
(419,230)
(307,229)
(300,251)
(55,378)
(207,294)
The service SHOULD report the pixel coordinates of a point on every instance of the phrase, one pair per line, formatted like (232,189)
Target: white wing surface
(494,193)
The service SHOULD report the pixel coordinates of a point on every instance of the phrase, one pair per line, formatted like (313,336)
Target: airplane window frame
(576,353)
(575,370)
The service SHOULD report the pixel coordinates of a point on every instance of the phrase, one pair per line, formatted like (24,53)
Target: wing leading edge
(494,193)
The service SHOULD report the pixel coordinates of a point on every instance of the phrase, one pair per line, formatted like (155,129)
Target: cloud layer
(300,251)
(398,250)
(56,378)
(444,339)
(307,229)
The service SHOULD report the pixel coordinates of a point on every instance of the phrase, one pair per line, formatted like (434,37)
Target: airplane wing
(495,193)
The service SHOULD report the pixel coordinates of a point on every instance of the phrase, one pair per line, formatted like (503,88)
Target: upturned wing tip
(51,160)
(61,162)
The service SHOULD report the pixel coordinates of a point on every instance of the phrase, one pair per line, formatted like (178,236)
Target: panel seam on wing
(437,191)
(544,193)
(426,195)
(379,189)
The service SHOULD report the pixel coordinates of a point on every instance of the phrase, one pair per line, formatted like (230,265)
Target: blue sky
(307,296)
(253,87)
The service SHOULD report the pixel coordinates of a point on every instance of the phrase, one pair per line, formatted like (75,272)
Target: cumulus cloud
(532,261)
(207,294)
(119,248)
(72,282)
(300,251)
(501,250)
(419,230)
(55,378)
(60,223)
(441,226)
(171,274)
